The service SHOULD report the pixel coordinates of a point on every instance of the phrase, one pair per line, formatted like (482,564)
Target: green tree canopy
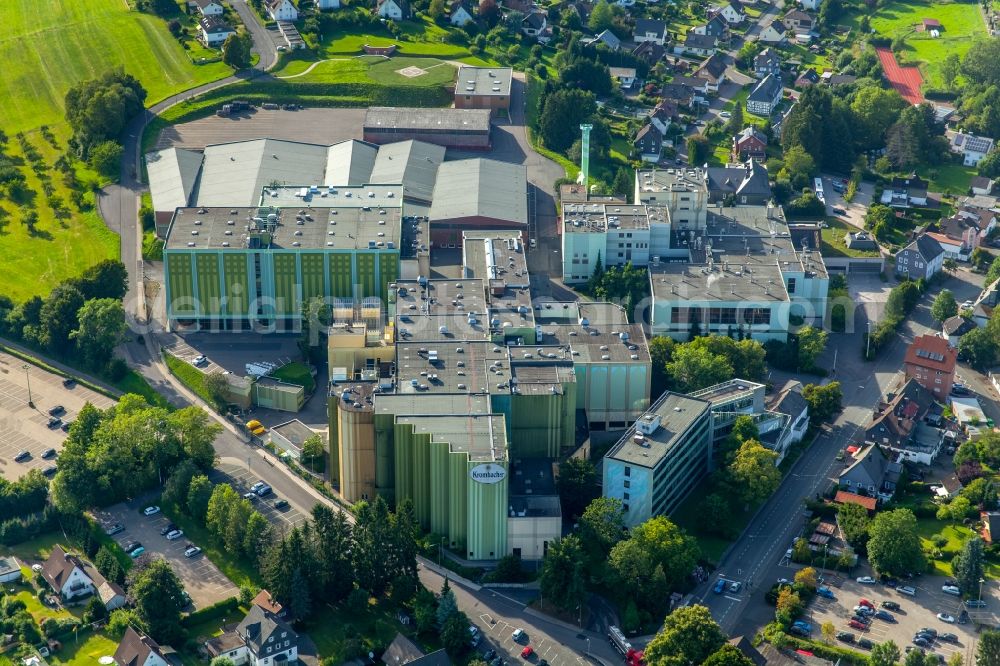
(754,471)
(577,485)
(689,636)
(893,543)
(562,579)
(945,305)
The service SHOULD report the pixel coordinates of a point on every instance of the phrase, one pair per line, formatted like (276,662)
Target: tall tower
(585,154)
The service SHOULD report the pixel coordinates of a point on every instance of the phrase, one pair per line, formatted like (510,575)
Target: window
(628,471)
(791,285)
(284,634)
(628,484)
(625,507)
(625,496)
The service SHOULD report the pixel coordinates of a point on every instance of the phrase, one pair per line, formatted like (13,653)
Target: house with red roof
(930,360)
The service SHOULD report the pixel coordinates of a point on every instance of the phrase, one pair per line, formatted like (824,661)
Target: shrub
(216,610)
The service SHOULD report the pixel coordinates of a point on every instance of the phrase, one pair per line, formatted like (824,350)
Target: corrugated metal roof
(412,163)
(350,163)
(481,187)
(172,176)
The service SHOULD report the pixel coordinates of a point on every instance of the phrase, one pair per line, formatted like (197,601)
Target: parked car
(891,605)
(804,625)
(958,389)
(191,550)
(854,624)
(517,635)
(117,528)
(49,471)
(885,615)
(263,491)
(54,422)
(922,642)
(798,631)
(865,602)
(845,636)
(975,603)
(281,504)
(863,610)
(199,360)
(725,114)
(908,590)
(866,644)
(137,552)
(66,426)
(824,591)
(735,586)
(69,382)
(863,619)
(951,589)
(174,534)
(252,496)
(48,453)
(720,586)
(527,652)
(928,630)
(837,210)
(21,456)
(784,581)
(866,580)
(151,510)
(131,545)
(169,527)
(58,410)
(944,617)
(948,638)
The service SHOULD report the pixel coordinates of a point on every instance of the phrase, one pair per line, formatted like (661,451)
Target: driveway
(200,577)
(23,428)
(263,43)
(855,210)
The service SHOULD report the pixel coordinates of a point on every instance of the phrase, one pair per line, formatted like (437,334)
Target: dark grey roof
(404,651)
(797,15)
(259,625)
(766,90)
(928,248)
(534,20)
(750,180)
(791,402)
(958,325)
(743,644)
(213,24)
(719,21)
(872,467)
(981,183)
(714,66)
(696,41)
(767,57)
(648,129)
(644,25)
(135,648)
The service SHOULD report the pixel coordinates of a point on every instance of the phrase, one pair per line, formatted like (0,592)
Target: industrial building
(451,128)
(483,88)
(478,194)
(661,459)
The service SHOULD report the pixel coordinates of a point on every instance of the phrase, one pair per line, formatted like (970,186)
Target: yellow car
(259,430)
(251,425)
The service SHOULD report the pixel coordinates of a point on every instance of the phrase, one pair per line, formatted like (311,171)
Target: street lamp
(588,647)
(31,403)
(981,581)
(868,340)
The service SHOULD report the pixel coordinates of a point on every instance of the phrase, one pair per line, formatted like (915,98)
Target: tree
(101,328)
(878,215)
(105,158)
(661,349)
(257,537)
(194,431)
(563,111)
(199,495)
(893,543)
(950,68)
(989,166)
(754,472)
(728,655)
(853,520)
(955,659)
(828,630)
(884,654)
(577,485)
(807,576)
(447,604)
(812,342)
(221,661)
(602,525)
(313,449)
(950,264)
(969,566)
(300,600)
(789,605)
(178,485)
(694,367)
(798,168)
(945,306)
(735,123)
(98,109)
(108,565)
(217,388)
(601,17)
(978,348)
(436,9)
(95,611)
(155,592)
(562,579)
(58,317)
(489,12)
(875,110)
(123,618)
(824,401)
(656,560)
(106,279)
(697,149)
(689,636)
(957,509)
(988,650)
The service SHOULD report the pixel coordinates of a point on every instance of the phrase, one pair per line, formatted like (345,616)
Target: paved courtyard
(23,428)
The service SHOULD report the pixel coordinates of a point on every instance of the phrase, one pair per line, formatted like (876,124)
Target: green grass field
(190,376)
(296,373)
(833,244)
(369,70)
(84,650)
(420,37)
(950,178)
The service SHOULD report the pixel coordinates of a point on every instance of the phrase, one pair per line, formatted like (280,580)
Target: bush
(217,610)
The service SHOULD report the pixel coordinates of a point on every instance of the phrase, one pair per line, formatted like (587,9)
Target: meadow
(369,69)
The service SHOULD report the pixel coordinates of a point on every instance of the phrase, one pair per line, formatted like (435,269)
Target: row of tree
(23,497)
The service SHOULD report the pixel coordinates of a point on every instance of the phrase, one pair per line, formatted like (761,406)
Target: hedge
(217,610)
(830,652)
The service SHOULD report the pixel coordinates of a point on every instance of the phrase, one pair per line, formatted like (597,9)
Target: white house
(650,30)
(923,258)
(772,35)
(214,31)
(138,649)
(624,75)
(460,16)
(261,639)
(953,328)
(66,576)
(765,96)
(327,4)
(209,7)
(282,10)
(732,13)
(392,9)
(972,148)
(791,402)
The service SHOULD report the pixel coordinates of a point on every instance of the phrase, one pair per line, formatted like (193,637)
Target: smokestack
(585,155)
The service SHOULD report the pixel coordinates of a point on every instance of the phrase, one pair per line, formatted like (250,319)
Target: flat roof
(355,396)
(294,431)
(402,404)
(483,81)
(676,414)
(322,196)
(575,193)
(440,296)
(451,367)
(670,180)
(601,217)
(727,390)
(532,476)
(333,228)
(412,118)
(442,328)
(543,377)
(482,436)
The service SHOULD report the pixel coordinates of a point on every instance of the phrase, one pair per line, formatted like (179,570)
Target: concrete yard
(23,428)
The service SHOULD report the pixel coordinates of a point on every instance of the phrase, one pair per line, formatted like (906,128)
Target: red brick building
(930,361)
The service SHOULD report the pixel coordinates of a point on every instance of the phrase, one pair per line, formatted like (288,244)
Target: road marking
(732,598)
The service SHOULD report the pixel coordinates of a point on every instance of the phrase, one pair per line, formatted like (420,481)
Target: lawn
(950,178)
(369,70)
(84,650)
(833,240)
(420,37)
(689,517)
(956,535)
(238,570)
(190,376)
(332,627)
(26,593)
(133,382)
(961,21)
(36,549)
(296,373)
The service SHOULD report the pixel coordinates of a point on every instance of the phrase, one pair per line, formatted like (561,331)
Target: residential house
(677,94)
(282,10)
(872,474)
(650,31)
(845,497)
(460,14)
(268,603)
(697,44)
(649,52)
(904,423)
(10,569)
(972,148)
(798,21)
(905,191)
(713,71)
(404,651)
(732,12)
(922,258)
(699,87)
(744,645)
(954,247)
(138,649)
(664,113)
(396,10)
(953,328)
(860,240)
(66,575)
(534,24)
(262,638)
(808,77)
(209,7)
(767,62)
(792,403)
(214,31)
(765,96)
(606,37)
(991,526)
(649,143)
(624,75)
(931,360)
(715,27)
(745,185)
(749,143)
(811,5)
(981,185)
(772,35)
(831,79)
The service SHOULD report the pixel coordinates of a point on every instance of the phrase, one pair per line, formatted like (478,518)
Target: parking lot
(497,636)
(188,354)
(23,428)
(202,579)
(240,478)
(915,613)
